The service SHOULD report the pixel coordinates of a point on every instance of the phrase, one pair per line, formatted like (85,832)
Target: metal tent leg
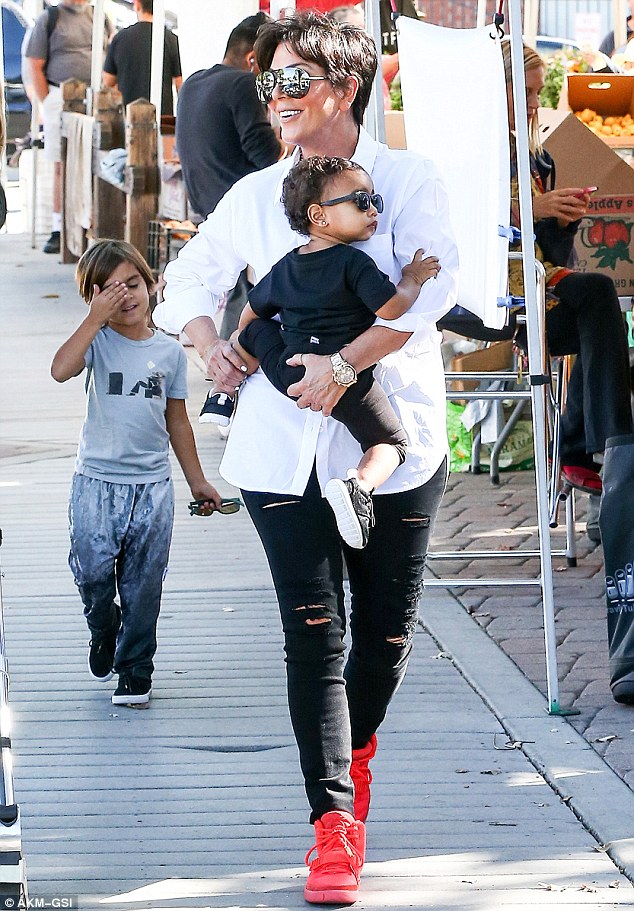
(535,300)
(12,866)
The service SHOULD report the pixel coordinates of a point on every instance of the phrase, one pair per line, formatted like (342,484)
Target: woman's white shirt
(273,444)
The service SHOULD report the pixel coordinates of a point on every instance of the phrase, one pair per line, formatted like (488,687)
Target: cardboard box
(395,130)
(608,94)
(604,241)
(497,356)
(168,148)
(172,195)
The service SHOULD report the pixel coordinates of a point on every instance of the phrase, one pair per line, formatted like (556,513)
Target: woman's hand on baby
(105,304)
(566,205)
(225,366)
(422,269)
(316,390)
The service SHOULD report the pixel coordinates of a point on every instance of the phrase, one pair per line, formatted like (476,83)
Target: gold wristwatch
(343,373)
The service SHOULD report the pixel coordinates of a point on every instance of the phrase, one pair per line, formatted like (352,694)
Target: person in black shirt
(222,129)
(327,293)
(222,134)
(128,65)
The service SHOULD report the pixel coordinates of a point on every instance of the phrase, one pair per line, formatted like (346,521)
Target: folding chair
(464,323)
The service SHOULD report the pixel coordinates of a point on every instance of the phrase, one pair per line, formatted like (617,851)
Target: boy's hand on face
(105,304)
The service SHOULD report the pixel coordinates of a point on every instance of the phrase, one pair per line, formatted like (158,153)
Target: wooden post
(109,202)
(142,179)
(74,95)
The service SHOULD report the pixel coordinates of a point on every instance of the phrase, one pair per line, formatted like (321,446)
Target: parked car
(547,45)
(15,23)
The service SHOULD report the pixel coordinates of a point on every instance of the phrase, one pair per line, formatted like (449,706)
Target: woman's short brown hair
(99,262)
(341,50)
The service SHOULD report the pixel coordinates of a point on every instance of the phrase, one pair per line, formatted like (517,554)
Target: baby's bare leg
(376,466)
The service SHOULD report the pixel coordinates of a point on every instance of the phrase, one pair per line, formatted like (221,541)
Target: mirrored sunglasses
(361,198)
(292,80)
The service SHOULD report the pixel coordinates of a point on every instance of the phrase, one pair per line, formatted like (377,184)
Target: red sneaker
(362,778)
(334,873)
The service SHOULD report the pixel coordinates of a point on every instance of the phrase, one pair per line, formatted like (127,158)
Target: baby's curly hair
(305,184)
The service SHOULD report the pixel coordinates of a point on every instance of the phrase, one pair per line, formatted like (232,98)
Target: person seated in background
(583,315)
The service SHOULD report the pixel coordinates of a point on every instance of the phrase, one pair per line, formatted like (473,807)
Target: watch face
(345,375)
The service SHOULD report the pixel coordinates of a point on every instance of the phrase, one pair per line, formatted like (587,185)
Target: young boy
(121,506)
(327,293)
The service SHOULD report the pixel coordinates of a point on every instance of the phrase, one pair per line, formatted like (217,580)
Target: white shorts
(52,118)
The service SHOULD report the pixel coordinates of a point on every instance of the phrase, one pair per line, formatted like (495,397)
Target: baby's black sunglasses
(362,199)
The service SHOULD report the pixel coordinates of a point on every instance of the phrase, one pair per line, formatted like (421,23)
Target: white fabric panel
(203,29)
(454,99)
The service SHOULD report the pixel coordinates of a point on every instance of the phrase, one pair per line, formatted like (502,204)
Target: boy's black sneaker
(217,409)
(132,690)
(101,654)
(353,510)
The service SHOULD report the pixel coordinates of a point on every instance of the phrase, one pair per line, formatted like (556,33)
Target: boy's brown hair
(99,262)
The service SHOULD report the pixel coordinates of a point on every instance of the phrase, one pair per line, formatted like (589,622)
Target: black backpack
(51,23)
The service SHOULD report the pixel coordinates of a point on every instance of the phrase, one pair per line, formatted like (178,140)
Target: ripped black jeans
(336,705)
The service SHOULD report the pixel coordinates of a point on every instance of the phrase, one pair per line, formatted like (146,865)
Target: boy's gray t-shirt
(124,438)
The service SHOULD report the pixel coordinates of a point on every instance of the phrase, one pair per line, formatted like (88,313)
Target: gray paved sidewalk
(197,801)
(476,514)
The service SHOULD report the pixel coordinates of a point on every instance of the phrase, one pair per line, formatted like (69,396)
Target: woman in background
(583,315)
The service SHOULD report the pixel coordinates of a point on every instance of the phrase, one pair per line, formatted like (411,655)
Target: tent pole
(620,13)
(531,21)
(375,116)
(35,150)
(96,67)
(158,49)
(535,307)
(481,15)
(3,151)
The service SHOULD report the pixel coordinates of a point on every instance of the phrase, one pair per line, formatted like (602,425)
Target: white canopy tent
(203,29)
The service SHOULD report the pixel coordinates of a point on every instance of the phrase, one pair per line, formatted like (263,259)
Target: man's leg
(52,119)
